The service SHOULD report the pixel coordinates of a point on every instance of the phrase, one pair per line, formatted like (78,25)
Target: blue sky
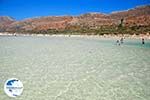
(21,9)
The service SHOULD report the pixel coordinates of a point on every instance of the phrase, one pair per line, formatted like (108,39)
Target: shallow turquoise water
(63,68)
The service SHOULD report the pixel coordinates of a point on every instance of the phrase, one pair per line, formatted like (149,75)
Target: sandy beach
(145,36)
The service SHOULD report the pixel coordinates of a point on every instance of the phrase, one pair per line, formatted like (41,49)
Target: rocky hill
(138,17)
(5,21)
(138,11)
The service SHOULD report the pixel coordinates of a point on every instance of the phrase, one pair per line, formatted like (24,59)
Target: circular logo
(13,87)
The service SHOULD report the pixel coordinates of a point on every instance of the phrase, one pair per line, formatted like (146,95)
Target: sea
(75,68)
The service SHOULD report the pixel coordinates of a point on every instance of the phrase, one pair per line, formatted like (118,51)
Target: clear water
(63,68)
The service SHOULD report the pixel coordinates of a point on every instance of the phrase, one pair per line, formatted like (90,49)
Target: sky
(22,9)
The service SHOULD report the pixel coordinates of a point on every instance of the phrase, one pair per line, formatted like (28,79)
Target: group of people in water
(121,41)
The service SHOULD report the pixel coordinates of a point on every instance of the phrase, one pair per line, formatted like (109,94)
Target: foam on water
(69,68)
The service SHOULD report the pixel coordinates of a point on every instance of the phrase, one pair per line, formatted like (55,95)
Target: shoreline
(128,36)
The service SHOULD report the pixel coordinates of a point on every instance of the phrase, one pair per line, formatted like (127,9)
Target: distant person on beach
(143,41)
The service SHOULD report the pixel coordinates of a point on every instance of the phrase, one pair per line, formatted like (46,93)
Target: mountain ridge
(139,16)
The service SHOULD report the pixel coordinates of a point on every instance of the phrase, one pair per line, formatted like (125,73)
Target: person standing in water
(121,40)
(117,42)
(143,41)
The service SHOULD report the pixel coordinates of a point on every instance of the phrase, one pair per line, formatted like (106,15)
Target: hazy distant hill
(5,21)
(90,22)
